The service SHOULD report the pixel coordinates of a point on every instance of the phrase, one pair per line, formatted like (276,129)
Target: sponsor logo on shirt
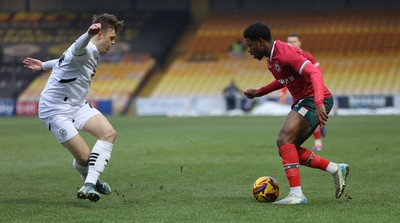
(286,80)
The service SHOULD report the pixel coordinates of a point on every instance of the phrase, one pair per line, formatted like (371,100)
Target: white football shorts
(64,120)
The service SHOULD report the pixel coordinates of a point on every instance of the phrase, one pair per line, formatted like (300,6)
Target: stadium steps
(154,78)
(151,84)
(115,81)
(357,53)
(179,49)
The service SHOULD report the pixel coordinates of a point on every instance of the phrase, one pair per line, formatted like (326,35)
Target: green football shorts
(306,108)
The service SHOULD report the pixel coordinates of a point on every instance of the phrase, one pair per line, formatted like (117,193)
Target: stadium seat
(357,52)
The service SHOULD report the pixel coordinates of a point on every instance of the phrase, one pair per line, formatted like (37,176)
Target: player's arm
(49,64)
(301,64)
(37,65)
(83,41)
(305,68)
(273,86)
(317,81)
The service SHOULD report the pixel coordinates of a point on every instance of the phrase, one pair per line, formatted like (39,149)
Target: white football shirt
(72,73)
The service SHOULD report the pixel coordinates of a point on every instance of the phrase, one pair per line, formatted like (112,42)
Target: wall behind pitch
(180,106)
(7,107)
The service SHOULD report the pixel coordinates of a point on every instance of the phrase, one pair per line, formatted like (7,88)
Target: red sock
(308,158)
(317,133)
(290,161)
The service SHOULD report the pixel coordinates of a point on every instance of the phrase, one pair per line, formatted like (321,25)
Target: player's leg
(99,126)
(317,139)
(310,159)
(91,120)
(80,150)
(295,128)
(64,130)
(80,164)
(338,171)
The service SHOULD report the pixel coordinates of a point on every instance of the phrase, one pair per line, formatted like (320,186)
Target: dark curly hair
(108,21)
(256,31)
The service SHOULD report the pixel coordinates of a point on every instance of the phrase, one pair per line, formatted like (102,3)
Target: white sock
(98,160)
(82,170)
(296,190)
(92,177)
(318,142)
(332,168)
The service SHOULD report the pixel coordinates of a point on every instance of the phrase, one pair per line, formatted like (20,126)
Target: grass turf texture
(199,170)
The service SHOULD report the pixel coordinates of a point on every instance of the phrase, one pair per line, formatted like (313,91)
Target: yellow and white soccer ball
(266,189)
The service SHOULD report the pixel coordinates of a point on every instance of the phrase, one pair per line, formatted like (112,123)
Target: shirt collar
(96,52)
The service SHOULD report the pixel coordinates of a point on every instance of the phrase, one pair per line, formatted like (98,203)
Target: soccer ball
(266,189)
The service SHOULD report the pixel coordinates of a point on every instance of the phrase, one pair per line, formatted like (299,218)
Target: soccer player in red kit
(294,40)
(312,103)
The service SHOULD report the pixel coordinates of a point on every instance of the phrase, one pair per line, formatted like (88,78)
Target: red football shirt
(292,70)
(309,57)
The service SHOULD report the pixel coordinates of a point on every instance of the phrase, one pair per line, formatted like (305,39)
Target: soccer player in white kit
(64,110)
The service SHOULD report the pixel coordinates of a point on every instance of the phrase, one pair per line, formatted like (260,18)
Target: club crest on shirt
(277,67)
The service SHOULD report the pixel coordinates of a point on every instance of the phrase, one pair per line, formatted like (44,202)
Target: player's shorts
(64,120)
(306,108)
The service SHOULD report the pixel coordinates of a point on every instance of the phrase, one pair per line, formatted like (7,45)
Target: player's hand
(94,29)
(251,93)
(32,64)
(321,114)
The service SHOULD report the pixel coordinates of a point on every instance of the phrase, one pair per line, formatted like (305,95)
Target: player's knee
(283,140)
(280,141)
(113,135)
(285,137)
(82,158)
(110,135)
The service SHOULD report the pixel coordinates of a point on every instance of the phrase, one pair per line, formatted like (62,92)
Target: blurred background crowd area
(186,52)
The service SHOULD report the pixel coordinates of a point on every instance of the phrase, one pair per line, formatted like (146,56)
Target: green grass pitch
(199,170)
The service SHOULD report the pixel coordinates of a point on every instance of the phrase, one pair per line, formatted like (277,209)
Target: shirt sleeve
(80,45)
(49,64)
(273,86)
(296,60)
(317,82)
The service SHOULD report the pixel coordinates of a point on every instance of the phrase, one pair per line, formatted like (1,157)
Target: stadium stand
(113,81)
(141,45)
(344,30)
(146,33)
(13,80)
(358,50)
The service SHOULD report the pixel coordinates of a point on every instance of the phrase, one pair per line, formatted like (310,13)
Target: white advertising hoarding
(180,106)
